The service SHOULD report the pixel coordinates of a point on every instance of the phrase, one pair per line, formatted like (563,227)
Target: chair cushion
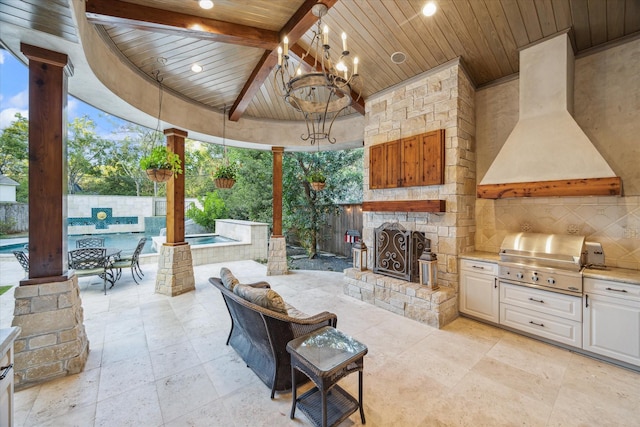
(265,298)
(228,279)
(294,312)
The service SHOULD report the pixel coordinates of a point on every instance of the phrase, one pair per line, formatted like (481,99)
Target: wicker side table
(326,356)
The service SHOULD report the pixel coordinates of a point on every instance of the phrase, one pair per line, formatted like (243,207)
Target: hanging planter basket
(317,186)
(224,182)
(159,175)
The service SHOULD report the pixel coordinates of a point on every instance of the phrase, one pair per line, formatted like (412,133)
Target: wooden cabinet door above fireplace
(414,161)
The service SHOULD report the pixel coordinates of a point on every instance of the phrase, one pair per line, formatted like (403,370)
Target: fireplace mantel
(405,206)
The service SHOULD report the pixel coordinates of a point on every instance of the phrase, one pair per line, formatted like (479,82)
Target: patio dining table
(85,262)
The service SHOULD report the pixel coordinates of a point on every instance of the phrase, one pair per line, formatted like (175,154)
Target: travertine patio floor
(160,361)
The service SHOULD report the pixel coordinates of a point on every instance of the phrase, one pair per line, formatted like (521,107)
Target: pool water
(125,241)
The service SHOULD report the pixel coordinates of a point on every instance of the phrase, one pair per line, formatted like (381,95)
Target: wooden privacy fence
(342,230)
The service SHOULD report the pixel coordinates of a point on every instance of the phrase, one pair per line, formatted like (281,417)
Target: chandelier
(322,93)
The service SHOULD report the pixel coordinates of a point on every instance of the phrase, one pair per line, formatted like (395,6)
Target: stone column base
(175,270)
(53,342)
(277,261)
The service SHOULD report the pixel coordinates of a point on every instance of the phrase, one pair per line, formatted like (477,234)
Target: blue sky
(14,98)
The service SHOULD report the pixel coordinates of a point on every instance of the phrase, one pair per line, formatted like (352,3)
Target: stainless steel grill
(547,261)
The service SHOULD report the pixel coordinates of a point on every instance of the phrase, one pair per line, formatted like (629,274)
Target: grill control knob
(551,281)
(534,277)
(519,275)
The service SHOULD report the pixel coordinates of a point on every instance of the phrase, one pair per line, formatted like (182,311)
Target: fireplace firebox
(396,251)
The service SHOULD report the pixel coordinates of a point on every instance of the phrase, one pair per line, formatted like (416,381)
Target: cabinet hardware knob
(537,324)
(478,266)
(616,290)
(536,300)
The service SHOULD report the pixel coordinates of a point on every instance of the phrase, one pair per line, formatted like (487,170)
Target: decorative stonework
(53,342)
(434,307)
(442,98)
(175,270)
(277,262)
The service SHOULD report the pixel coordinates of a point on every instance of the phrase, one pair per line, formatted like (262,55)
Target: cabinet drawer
(544,325)
(613,289)
(551,303)
(479,267)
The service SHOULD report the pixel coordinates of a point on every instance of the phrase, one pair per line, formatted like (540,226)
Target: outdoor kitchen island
(608,313)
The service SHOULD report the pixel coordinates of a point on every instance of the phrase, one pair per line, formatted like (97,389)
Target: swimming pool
(125,241)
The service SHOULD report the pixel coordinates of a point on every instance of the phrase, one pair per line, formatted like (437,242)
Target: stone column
(175,264)
(277,261)
(53,342)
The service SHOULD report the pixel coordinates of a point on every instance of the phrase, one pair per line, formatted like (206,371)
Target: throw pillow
(265,298)
(228,279)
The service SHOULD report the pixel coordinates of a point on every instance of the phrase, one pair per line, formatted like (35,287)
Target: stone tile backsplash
(612,221)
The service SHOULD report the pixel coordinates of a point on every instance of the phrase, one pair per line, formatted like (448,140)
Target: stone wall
(442,98)
(606,94)
(16,215)
(53,341)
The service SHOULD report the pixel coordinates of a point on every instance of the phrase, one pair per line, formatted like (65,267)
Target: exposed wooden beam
(295,28)
(298,52)
(559,188)
(405,206)
(116,12)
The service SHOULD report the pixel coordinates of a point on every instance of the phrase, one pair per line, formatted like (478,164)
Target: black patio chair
(131,262)
(23,259)
(92,262)
(90,242)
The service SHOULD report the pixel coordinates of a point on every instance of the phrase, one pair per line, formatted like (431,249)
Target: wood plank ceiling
(487,34)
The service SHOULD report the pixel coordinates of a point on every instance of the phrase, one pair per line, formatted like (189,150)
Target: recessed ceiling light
(205,4)
(196,68)
(429,9)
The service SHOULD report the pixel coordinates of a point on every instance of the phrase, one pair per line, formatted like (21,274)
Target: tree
(14,154)
(306,210)
(86,151)
(213,208)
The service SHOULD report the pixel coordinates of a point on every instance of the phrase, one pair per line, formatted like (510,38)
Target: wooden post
(48,72)
(277,191)
(175,190)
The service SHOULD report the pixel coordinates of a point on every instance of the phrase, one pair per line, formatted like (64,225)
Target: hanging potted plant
(225,175)
(317,180)
(160,164)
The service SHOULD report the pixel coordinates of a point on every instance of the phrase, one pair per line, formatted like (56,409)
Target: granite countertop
(7,336)
(614,274)
(481,256)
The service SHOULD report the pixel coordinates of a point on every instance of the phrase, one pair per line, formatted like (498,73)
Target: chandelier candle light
(322,93)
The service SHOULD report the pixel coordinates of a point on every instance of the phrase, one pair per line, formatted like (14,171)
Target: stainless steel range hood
(547,144)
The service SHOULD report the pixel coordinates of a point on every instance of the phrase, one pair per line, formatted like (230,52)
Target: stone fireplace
(397,251)
(442,98)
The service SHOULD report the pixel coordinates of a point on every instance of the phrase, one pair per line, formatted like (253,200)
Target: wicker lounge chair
(260,336)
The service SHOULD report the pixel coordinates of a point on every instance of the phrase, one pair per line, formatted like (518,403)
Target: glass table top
(327,348)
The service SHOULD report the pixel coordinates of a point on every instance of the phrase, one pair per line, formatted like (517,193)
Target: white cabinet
(479,294)
(612,319)
(7,337)
(546,314)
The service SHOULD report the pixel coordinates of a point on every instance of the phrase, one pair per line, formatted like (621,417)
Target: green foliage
(213,207)
(14,148)
(6,226)
(161,158)
(251,198)
(305,212)
(226,171)
(86,151)
(316,176)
